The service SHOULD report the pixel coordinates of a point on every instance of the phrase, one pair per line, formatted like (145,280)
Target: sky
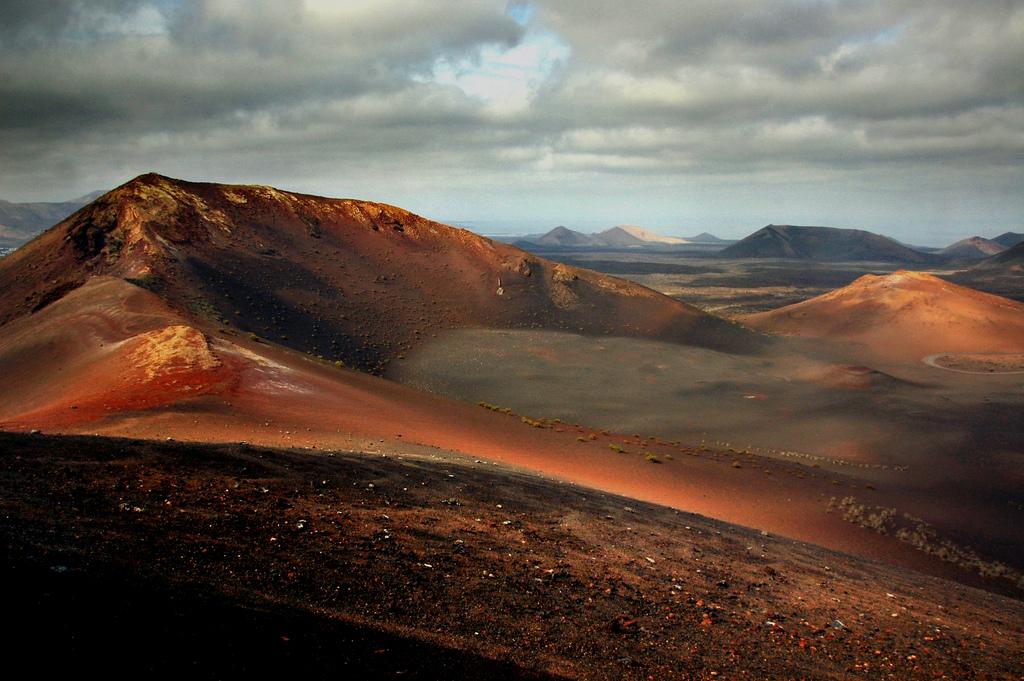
(900,116)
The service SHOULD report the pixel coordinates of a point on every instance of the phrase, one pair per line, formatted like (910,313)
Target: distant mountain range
(620,236)
(831,244)
(20,222)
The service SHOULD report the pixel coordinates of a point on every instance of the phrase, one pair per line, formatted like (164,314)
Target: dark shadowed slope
(170,560)
(348,280)
(821,243)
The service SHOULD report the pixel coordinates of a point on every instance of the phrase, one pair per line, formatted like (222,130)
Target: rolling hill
(827,244)
(905,315)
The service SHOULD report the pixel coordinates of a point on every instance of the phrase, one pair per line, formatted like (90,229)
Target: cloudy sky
(903,116)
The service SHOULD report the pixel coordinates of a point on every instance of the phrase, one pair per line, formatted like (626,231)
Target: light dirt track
(933,361)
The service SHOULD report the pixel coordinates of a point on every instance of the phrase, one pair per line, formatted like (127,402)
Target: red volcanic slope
(348,280)
(127,337)
(905,315)
(113,358)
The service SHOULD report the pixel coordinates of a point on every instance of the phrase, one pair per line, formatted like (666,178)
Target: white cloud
(675,109)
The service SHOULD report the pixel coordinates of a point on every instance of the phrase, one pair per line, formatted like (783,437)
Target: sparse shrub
(920,535)
(652,458)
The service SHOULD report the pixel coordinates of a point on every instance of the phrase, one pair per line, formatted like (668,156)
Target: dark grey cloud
(658,110)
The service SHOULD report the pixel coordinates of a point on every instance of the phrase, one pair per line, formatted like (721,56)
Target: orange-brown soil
(172,560)
(904,316)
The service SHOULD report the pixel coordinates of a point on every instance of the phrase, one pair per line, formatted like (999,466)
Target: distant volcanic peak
(1009,239)
(620,236)
(973,247)
(563,236)
(617,236)
(1008,262)
(1014,253)
(827,244)
(644,235)
(704,237)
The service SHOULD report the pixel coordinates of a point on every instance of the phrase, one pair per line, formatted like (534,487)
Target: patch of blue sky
(521,12)
(499,74)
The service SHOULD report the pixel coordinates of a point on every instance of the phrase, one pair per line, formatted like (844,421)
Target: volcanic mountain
(1009,239)
(705,238)
(562,236)
(1011,260)
(631,235)
(972,248)
(827,244)
(350,281)
(999,274)
(905,315)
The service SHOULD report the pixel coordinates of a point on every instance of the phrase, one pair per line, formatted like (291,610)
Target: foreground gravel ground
(165,559)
